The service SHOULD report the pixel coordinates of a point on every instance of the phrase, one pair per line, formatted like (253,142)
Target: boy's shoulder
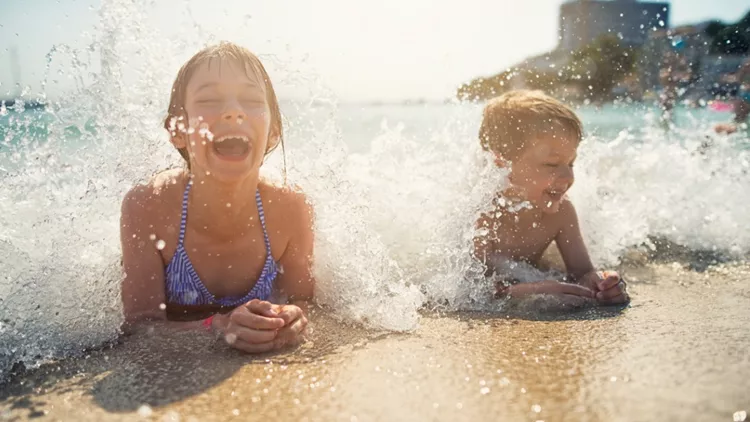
(566,215)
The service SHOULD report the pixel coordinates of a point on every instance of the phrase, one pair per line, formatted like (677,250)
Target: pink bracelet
(207,322)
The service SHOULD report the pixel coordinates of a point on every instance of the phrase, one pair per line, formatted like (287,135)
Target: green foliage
(714,27)
(595,69)
(731,39)
(601,65)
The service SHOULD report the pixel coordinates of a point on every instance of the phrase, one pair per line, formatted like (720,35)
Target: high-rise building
(582,21)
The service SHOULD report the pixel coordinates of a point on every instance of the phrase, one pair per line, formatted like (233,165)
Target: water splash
(688,186)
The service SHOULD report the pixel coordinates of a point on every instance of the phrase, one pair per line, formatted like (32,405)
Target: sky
(385,50)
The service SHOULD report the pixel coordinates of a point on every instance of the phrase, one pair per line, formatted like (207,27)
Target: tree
(730,39)
(601,65)
(714,27)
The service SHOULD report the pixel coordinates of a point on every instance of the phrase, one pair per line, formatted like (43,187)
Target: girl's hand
(253,327)
(295,323)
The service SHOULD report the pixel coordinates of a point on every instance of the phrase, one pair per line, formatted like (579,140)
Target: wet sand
(678,352)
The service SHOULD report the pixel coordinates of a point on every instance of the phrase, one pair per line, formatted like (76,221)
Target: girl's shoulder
(288,203)
(156,195)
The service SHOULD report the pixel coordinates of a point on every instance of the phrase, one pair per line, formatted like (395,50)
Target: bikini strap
(262,216)
(183,218)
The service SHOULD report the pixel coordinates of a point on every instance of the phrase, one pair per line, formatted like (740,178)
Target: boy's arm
(482,241)
(570,243)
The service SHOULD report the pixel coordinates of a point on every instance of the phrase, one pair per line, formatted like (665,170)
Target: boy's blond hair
(223,50)
(514,119)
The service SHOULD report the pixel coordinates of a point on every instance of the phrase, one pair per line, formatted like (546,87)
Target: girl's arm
(142,288)
(296,280)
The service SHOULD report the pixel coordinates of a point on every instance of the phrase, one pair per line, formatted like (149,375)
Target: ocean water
(396,189)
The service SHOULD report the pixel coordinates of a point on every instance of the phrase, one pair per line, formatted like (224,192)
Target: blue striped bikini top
(183,285)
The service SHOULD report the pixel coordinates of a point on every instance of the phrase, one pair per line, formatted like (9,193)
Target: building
(582,21)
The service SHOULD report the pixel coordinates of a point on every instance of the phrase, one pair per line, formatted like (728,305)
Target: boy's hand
(609,288)
(544,287)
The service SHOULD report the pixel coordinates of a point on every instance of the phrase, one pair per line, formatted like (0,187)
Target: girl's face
(229,125)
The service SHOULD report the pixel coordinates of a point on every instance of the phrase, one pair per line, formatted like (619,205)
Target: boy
(537,138)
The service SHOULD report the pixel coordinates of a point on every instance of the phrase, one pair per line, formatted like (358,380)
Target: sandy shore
(679,352)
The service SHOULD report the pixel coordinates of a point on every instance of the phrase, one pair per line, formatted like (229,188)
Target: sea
(408,329)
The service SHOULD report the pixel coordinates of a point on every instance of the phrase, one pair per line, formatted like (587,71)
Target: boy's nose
(566,174)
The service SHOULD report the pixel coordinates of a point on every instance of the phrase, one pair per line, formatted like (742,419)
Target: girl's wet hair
(176,113)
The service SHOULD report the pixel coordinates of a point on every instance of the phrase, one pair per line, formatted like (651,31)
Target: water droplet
(236,412)
(229,205)
(160,244)
(536,408)
(162,306)
(152,236)
(171,416)
(145,411)
(739,416)
(484,390)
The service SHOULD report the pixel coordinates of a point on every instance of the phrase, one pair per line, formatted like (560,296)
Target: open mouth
(232,146)
(554,194)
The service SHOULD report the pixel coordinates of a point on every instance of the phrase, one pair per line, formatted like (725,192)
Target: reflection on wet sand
(679,352)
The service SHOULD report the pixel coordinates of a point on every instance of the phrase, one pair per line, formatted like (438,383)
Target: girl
(208,244)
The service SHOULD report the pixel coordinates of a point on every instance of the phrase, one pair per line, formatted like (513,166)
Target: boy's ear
(500,161)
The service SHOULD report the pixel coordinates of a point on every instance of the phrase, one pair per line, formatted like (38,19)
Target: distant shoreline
(27,104)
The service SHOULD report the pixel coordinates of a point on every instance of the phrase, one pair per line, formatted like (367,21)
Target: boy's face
(230,120)
(543,173)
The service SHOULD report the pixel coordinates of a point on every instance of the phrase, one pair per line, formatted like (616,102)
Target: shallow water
(677,353)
